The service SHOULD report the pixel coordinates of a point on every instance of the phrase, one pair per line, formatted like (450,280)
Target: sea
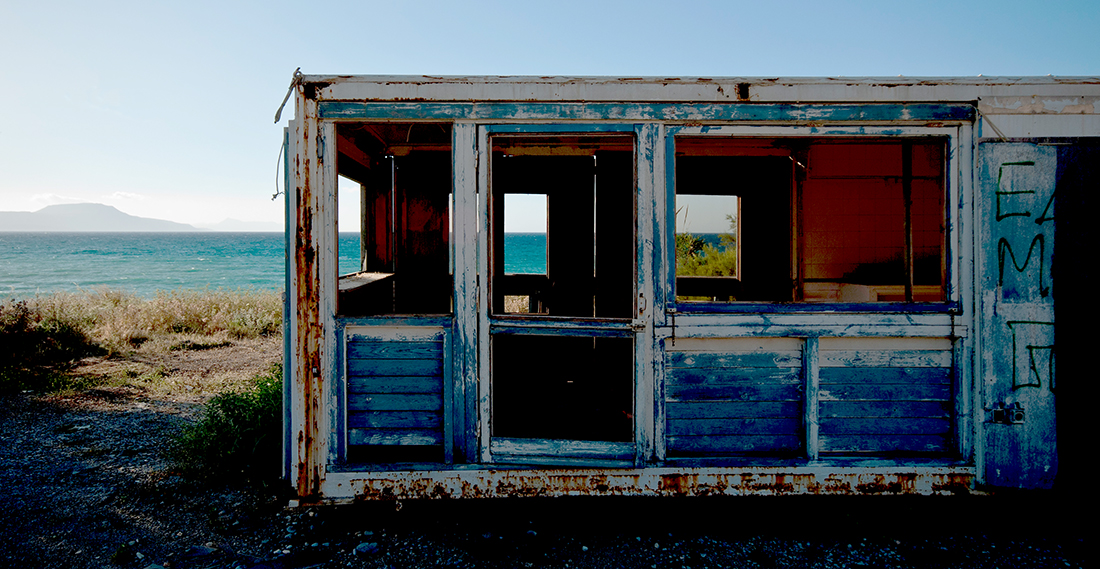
(147,263)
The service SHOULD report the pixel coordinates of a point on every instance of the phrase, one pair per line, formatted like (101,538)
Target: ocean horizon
(144,264)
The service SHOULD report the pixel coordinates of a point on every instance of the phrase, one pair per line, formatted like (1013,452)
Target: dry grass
(180,342)
(184,374)
(119,321)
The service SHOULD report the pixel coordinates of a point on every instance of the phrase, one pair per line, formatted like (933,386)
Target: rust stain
(537,483)
(955,484)
(311,88)
(307,351)
(677,484)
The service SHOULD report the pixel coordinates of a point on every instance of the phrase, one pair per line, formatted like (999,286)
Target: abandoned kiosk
(739,286)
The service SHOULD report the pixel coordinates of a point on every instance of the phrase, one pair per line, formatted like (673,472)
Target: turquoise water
(144,263)
(525,253)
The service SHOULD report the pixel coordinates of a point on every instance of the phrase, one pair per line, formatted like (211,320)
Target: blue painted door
(1017,184)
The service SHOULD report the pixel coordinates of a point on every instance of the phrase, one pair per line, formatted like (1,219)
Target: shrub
(239,433)
(36,345)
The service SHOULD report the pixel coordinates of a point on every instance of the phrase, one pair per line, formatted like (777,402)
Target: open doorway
(562,256)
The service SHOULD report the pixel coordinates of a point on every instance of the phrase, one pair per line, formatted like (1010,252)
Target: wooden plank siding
(734,397)
(867,396)
(887,396)
(395,391)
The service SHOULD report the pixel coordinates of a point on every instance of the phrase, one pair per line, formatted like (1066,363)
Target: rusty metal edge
(347,487)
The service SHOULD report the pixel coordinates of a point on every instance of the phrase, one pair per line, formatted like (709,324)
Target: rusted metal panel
(308,401)
(741,481)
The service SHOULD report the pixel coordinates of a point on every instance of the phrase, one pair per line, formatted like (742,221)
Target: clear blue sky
(165,109)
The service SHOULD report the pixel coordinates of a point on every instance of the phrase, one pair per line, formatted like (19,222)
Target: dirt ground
(88,484)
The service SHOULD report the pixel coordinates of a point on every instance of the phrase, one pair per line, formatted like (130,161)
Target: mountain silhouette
(84,217)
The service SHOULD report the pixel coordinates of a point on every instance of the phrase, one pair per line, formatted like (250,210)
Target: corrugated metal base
(729,481)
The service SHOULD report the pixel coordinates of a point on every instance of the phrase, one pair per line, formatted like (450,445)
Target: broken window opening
(573,198)
(811,220)
(577,388)
(405,256)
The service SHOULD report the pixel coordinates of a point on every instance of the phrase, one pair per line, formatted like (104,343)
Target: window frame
(491,130)
(503,450)
(336,132)
(952,201)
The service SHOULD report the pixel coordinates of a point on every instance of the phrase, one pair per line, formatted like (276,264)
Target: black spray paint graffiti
(1004,247)
(1032,341)
(1000,215)
(1021,209)
(1032,354)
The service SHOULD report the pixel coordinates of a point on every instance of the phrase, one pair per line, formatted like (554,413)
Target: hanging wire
(278,171)
(294,82)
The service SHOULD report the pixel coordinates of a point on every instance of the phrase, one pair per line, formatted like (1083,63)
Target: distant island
(93,217)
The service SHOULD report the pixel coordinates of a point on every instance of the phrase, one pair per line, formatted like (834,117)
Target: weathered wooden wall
(839,397)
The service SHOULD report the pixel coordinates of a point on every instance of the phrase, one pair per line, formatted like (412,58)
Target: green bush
(37,345)
(239,434)
(695,257)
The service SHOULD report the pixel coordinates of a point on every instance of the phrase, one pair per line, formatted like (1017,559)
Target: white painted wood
(645,356)
(814,131)
(448,401)
(1038,126)
(395,333)
(811,368)
(714,90)
(963,397)
(292,403)
(965,199)
(814,319)
(958,169)
(737,345)
(662,263)
(465,218)
(552,447)
(802,331)
(885,358)
(484,157)
(660,446)
(328,267)
(939,344)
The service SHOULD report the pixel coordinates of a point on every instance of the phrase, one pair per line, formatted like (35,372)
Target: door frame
(640,327)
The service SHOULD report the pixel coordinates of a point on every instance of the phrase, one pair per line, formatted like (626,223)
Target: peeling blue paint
(916,112)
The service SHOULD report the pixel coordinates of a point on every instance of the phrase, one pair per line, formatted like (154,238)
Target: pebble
(366,548)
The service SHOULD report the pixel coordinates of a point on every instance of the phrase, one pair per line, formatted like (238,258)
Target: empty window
(403,171)
(810,220)
(563,225)
(563,387)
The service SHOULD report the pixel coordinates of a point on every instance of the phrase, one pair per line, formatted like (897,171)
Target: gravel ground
(88,485)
